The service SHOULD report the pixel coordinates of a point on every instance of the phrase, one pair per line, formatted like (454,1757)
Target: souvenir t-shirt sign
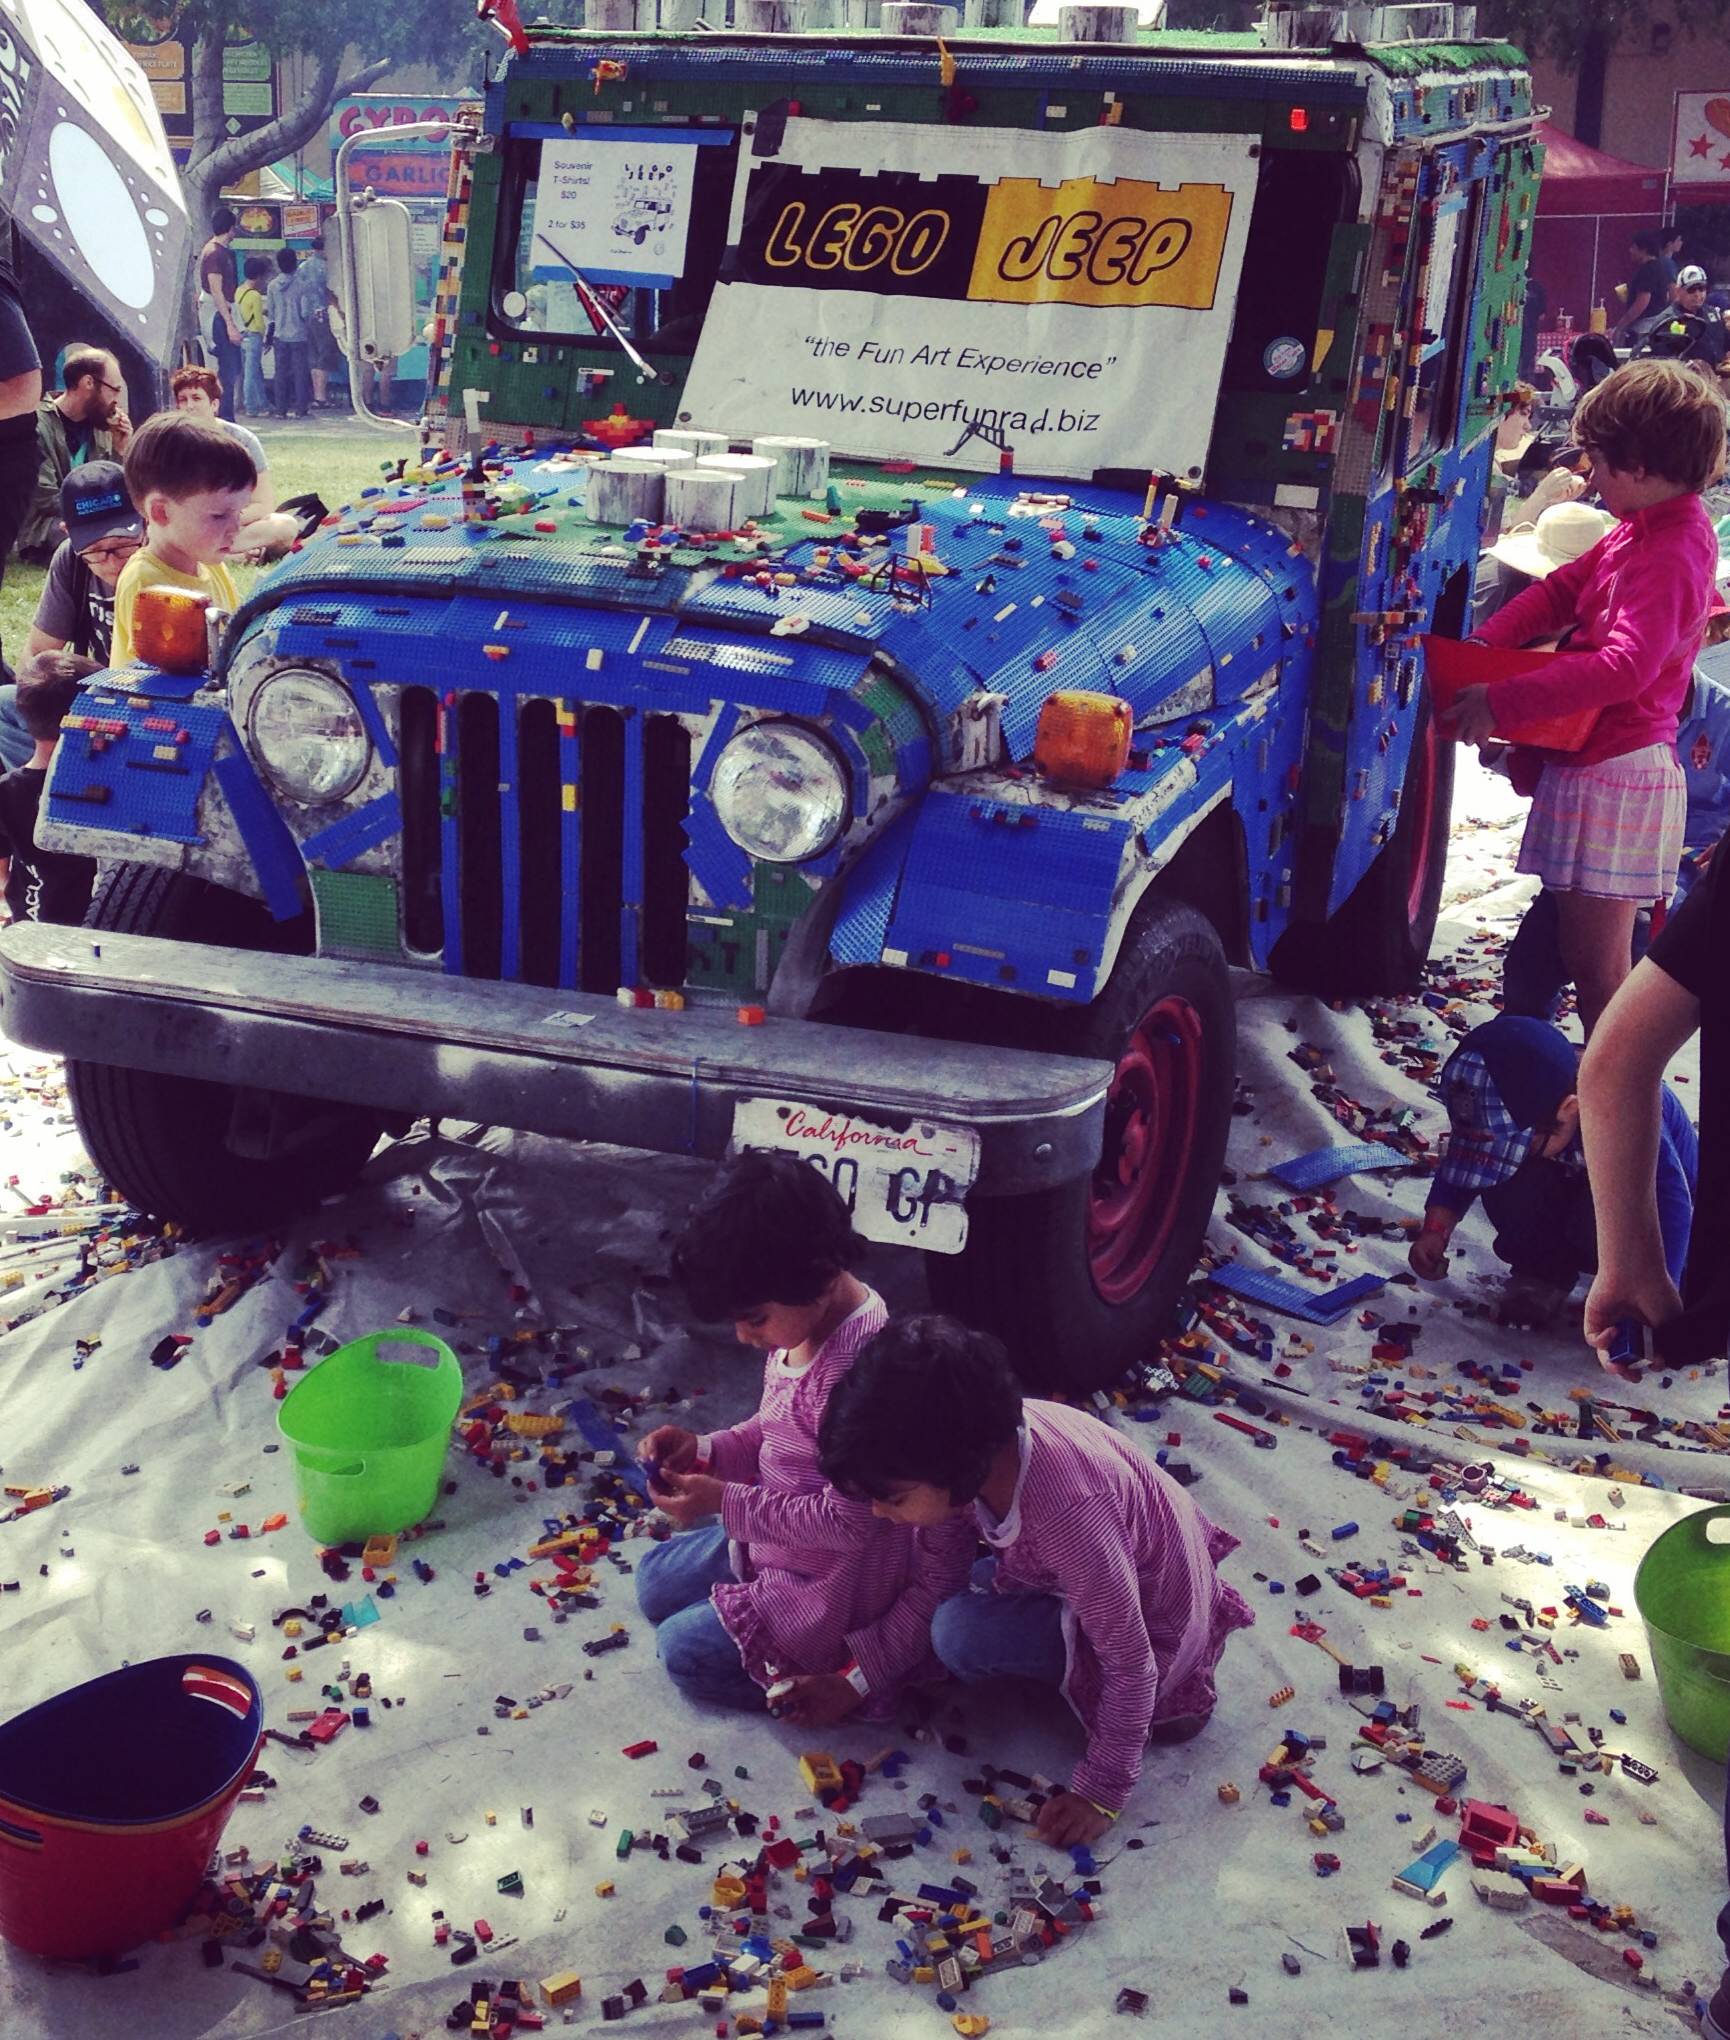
(944,295)
(615,207)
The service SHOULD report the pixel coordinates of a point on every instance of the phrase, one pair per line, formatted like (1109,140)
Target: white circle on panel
(45,213)
(100,212)
(156,216)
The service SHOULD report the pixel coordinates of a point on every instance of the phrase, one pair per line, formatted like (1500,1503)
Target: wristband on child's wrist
(1111,1813)
(1434,1222)
(856,1678)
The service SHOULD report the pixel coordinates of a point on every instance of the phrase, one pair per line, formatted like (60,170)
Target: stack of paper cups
(703,499)
(801,465)
(700,444)
(918,17)
(755,476)
(664,457)
(622,489)
(1097,24)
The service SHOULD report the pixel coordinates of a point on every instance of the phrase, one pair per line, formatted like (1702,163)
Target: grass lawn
(333,454)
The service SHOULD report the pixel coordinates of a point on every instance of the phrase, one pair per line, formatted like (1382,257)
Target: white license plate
(905,1183)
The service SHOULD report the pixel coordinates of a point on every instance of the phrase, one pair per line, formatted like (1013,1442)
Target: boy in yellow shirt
(191,482)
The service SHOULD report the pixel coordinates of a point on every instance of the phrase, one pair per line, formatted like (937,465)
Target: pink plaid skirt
(1613,829)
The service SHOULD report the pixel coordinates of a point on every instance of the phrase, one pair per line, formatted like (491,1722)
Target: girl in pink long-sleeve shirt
(1606,827)
(790,1582)
(1103,1580)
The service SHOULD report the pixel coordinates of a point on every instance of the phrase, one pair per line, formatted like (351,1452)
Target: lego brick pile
(1438,1795)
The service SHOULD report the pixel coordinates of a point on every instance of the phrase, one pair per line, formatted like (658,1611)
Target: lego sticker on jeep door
(958,295)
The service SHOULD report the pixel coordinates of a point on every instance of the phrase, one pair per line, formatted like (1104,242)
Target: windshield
(643,223)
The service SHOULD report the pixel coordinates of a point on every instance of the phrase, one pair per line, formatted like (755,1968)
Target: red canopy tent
(1589,204)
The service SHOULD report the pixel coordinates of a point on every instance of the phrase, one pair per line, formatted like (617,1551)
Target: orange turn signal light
(1083,738)
(170,629)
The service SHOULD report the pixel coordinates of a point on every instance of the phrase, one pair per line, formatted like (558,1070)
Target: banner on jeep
(946,294)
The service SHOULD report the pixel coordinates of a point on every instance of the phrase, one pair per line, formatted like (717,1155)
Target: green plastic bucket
(1682,1591)
(369,1428)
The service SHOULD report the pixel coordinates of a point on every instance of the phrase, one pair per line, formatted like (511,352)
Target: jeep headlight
(780,792)
(308,737)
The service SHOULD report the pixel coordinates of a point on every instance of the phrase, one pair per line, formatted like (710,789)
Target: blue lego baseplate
(1316,1170)
(134,765)
(1324,1307)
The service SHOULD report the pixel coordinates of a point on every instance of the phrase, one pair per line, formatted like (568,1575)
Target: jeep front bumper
(572,1064)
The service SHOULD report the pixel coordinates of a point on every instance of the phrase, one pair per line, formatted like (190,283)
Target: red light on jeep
(1299,120)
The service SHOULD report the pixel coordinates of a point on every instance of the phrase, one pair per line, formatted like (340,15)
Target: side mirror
(383,280)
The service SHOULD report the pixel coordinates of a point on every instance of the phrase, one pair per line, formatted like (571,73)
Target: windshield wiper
(597,310)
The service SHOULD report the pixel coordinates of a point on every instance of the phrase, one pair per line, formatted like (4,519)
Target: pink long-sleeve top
(1638,601)
(1133,1560)
(818,1579)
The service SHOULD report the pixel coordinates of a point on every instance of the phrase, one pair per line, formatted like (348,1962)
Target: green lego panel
(736,953)
(357,914)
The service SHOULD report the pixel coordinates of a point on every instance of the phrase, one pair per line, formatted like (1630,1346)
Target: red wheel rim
(1418,813)
(1151,1117)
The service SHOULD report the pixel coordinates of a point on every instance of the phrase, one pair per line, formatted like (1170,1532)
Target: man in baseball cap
(76,609)
(1689,330)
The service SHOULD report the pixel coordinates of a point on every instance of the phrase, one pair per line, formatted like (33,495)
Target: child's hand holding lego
(1429,1251)
(818,1700)
(1067,1819)
(670,1448)
(686,1497)
(1647,1297)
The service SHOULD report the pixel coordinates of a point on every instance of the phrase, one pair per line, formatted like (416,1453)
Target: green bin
(369,1428)
(1682,1591)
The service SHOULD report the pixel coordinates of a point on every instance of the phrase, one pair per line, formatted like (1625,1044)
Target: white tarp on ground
(1212,1900)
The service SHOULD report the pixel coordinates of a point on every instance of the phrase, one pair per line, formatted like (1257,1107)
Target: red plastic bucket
(112,1797)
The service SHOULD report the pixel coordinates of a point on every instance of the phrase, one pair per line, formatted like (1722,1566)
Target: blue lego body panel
(960,861)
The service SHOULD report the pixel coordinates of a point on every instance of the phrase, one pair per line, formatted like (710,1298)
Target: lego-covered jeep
(851,669)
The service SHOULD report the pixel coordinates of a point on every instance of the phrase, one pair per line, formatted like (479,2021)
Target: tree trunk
(1595,48)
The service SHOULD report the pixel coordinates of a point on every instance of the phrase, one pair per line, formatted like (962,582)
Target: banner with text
(946,294)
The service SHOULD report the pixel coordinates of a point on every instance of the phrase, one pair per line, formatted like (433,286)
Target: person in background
(1606,825)
(1688,331)
(1648,291)
(287,337)
(1552,536)
(20,393)
(217,279)
(252,318)
(83,421)
(196,391)
(191,482)
(316,300)
(42,885)
(1511,1090)
(75,611)
(103,531)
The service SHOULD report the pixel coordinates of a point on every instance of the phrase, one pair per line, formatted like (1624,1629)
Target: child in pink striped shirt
(791,1581)
(1103,1579)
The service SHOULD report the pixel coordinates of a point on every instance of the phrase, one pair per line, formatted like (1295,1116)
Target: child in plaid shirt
(1510,1089)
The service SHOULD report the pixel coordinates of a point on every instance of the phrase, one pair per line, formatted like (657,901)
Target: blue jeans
(227,365)
(673,1582)
(985,1635)
(17,745)
(252,392)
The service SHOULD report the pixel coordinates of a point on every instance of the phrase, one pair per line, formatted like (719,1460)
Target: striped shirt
(817,1578)
(1121,1545)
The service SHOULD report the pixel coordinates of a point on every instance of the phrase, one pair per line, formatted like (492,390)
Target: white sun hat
(1562,533)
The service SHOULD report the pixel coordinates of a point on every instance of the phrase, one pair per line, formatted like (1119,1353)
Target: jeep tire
(166,1142)
(1081,1282)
